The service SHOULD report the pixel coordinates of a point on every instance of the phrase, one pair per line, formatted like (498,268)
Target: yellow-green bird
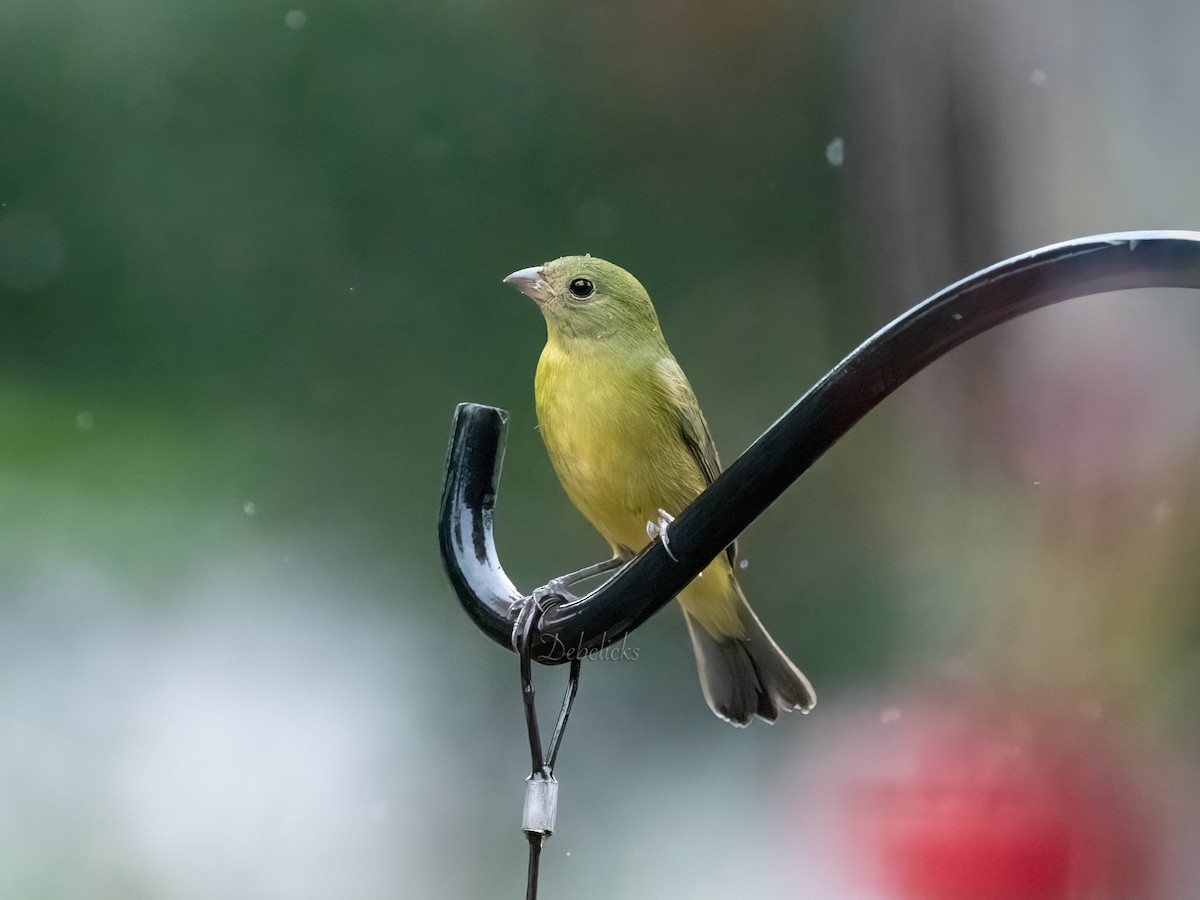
(631,447)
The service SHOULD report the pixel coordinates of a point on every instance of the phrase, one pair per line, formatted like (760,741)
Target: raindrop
(249,508)
(836,152)
(85,421)
(295,19)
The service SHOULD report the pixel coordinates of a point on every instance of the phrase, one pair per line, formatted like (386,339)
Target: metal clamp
(541,804)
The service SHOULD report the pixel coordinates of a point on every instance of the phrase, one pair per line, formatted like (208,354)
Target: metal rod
(1079,268)
(563,713)
(537,763)
(535,855)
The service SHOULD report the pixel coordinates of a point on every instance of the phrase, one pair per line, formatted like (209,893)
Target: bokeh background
(250,259)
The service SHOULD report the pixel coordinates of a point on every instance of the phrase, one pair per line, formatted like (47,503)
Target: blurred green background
(250,259)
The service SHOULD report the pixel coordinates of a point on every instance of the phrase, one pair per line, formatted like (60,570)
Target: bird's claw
(659,529)
(555,587)
(524,610)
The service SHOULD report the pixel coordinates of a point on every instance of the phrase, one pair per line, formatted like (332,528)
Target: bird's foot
(525,610)
(659,529)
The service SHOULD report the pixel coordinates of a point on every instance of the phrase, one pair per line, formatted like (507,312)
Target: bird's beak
(529,282)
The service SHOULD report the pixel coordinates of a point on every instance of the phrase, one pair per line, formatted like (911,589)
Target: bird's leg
(659,529)
(524,609)
(572,578)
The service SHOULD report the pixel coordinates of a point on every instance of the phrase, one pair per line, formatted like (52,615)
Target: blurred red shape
(999,807)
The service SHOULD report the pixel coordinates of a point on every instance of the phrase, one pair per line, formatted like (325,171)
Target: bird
(632,449)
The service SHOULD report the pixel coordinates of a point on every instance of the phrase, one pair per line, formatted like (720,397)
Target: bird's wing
(692,426)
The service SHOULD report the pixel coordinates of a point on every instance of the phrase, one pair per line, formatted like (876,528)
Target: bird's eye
(581,288)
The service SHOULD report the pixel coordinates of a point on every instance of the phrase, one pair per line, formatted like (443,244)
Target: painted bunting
(631,447)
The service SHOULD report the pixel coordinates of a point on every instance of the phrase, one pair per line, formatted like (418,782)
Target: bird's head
(584,298)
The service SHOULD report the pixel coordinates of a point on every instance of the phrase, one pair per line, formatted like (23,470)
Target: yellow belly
(618,450)
(615,446)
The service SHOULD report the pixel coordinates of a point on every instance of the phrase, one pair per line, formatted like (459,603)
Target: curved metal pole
(1083,267)
(465,530)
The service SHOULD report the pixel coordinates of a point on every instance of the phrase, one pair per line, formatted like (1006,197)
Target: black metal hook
(1087,266)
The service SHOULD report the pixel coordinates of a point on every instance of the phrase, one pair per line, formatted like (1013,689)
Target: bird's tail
(748,676)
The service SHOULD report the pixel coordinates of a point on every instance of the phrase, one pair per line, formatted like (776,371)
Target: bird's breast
(614,444)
